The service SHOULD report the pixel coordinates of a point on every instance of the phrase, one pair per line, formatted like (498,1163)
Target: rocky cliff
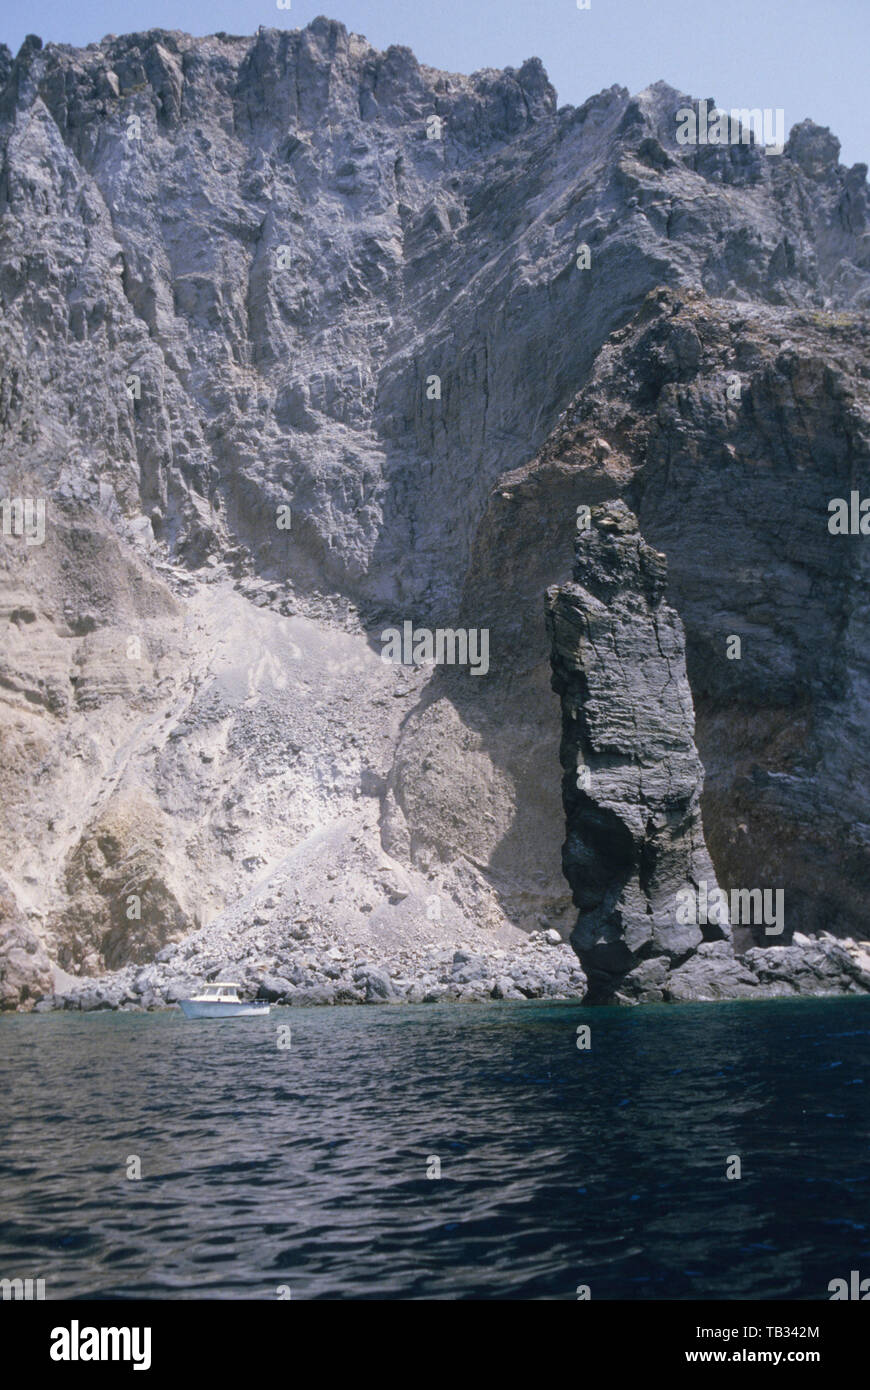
(730,431)
(292,338)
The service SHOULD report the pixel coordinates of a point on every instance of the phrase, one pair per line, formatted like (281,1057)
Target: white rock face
(266,349)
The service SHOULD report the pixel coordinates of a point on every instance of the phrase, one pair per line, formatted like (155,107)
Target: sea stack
(632,776)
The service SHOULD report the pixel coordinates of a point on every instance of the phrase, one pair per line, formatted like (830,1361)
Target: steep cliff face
(730,431)
(283,320)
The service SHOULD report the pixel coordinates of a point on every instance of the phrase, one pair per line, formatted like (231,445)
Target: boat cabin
(220,990)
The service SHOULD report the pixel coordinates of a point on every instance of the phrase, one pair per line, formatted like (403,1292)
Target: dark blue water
(306,1167)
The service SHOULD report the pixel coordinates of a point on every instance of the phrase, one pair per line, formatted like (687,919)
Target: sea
(535,1150)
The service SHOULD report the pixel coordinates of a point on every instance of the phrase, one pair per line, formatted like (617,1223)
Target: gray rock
(146,979)
(274,988)
(634,834)
(824,966)
(647,980)
(467,969)
(435,994)
(378,986)
(504,988)
(173,990)
(311,996)
(25,970)
(712,972)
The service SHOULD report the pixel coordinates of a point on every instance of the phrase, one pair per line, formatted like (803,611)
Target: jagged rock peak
(285,75)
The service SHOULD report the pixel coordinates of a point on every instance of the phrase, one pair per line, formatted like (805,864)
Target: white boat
(221,1000)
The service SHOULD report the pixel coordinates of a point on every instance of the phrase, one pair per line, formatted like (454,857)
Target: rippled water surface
(306,1167)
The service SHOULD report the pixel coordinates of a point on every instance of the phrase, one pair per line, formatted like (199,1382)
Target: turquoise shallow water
(306,1167)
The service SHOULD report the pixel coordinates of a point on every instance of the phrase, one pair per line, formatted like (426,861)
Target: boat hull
(203,1008)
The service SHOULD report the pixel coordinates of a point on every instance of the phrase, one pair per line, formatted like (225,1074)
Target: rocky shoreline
(543,967)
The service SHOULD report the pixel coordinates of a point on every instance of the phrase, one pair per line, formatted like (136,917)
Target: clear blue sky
(810,57)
